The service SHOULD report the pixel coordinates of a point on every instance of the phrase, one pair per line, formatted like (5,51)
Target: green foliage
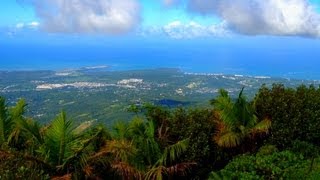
(13,124)
(278,165)
(267,150)
(59,139)
(143,136)
(17,166)
(173,152)
(134,109)
(295,113)
(304,148)
(197,125)
(237,120)
(172,143)
(134,151)
(3,120)
(24,172)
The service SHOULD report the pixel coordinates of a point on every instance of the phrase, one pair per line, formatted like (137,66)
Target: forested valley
(276,135)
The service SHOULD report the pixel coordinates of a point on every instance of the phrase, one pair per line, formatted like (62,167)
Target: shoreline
(116,68)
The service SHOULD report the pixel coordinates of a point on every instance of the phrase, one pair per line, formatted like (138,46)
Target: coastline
(310,76)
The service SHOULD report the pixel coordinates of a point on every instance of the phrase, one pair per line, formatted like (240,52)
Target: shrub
(295,113)
(278,165)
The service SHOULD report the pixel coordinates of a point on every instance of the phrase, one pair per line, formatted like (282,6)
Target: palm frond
(18,110)
(236,120)
(14,136)
(162,172)
(244,112)
(126,171)
(151,148)
(262,127)
(34,129)
(150,129)
(156,173)
(81,153)
(136,127)
(58,138)
(120,130)
(3,119)
(16,115)
(228,139)
(181,169)
(223,101)
(224,105)
(122,150)
(143,136)
(101,134)
(173,152)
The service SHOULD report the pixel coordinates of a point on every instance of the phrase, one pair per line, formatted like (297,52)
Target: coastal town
(86,90)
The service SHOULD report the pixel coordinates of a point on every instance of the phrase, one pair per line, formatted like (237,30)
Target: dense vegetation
(274,136)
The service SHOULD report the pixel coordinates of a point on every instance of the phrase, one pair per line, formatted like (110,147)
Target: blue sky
(217,32)
(12,12)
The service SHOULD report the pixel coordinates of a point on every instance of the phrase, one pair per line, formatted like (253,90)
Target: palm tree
(118,155)
(61,146)
(167,165)
(160,162)
(12,122)
(133,152)
(143,136)
(65,146)
(3,121)
(236,120)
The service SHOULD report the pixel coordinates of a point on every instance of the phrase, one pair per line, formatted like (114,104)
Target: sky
(215,31)
(174,18)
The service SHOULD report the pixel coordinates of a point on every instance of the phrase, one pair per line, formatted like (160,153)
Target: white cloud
(266,17)
(22,25)
(19,25)
(149,31)
(189,30)
(179,30)
(88,16)
(34,24)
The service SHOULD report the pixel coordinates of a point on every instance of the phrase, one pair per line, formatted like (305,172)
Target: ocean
(297,59)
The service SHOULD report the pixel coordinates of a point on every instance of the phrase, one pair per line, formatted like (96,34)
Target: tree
(236,120)
(295,113)
(60,146)
(12,125)
(159,161)
(3,121)
(167,166)
(134,152)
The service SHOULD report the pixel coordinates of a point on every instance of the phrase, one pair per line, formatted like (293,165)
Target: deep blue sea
(266,57)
